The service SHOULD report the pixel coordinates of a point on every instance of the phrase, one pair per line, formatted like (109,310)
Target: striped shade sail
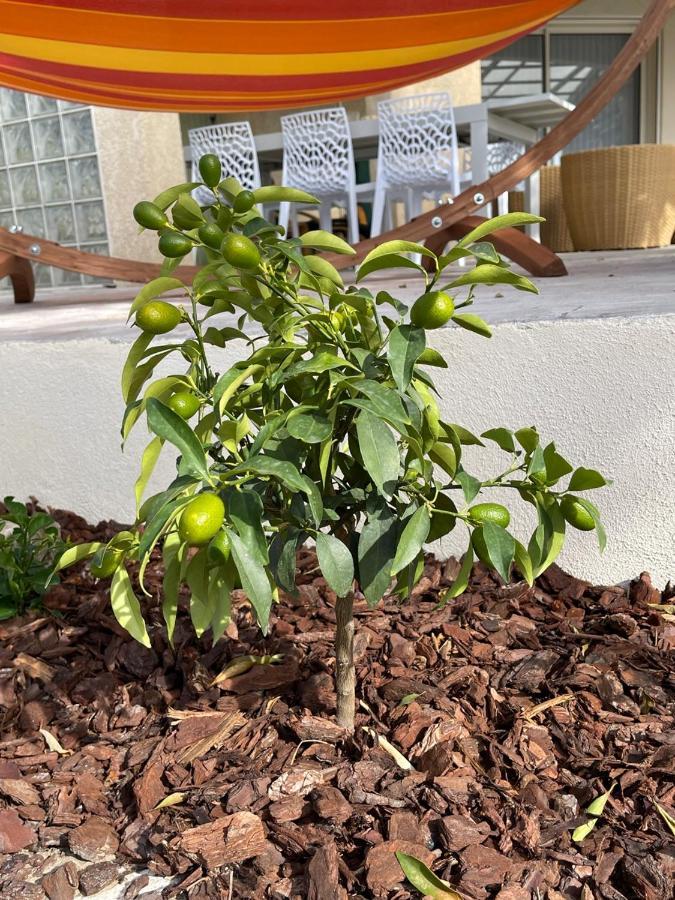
(227,55)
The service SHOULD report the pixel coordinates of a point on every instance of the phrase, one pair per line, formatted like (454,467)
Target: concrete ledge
(603,389)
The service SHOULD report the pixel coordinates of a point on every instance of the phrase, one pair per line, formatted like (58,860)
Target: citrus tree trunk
(345,675)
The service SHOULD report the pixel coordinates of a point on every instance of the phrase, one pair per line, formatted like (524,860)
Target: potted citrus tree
(327,430)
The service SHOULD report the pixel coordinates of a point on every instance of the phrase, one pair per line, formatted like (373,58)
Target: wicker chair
(620,197)
(555,233)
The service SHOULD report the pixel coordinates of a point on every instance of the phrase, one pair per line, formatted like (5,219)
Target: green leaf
(556,465)
(586,480)
(508,220)
(245,511)
(595,513)
(470,485)
(310,427)
(536,467)
(283,552)
(148,462)
(289,475)
(384,402)
(464,436)
(254,579)
(229,383)
(324,269)
(667,818)
(165,423)
(197,579)
(422,878)
(412,539)
(273,193)
(473,323)
(135,355)
(528,439)
(594,809)
(376,550)
(487,273)
(431,357)
(324,240)
(390,261)
(76,554)
(445,456)
(221,584)
(379,452)
(501,548)
(126,607)
(172,556)
(524,563)
(153,289)
(321,362)
(502,437)
(336,563)
(547,540)
(170,195)
(389,247)
(461,583)
(406,343)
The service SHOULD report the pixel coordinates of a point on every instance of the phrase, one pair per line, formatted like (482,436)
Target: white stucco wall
(603,389)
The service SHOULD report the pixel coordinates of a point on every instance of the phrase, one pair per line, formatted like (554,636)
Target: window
(49,176)
(568,65)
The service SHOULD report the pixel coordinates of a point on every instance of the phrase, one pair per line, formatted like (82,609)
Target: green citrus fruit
(150,216)
(210,169)
(240,252)
(219,548)
(576,514)
(174,244)
(108,564)
(211,235)
(184,404)
(243,202)
(432,310)
(202,519)
(158,317)
(490,512)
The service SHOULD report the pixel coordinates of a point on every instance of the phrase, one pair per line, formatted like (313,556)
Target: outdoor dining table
(518,119)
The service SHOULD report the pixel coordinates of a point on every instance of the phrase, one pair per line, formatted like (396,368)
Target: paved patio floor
(605,284)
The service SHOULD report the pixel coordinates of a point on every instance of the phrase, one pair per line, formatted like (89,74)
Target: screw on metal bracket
(15,229)
(436,222)
(479,198)
(35,249)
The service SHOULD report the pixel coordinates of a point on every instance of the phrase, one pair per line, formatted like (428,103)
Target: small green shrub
(327,430)
(30,545)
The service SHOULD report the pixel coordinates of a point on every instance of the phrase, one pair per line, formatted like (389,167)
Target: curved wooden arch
(436,227)
(465,204)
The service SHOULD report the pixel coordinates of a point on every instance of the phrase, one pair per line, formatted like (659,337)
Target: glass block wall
(49,176)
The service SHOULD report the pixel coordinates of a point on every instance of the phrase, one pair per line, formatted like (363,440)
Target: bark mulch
(512,709)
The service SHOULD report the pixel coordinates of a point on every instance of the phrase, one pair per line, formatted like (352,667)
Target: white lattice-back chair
(319,159)
(501,154)
(417,153)
(232,143)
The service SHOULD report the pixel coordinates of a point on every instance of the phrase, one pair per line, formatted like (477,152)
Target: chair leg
(325,218)
(378,211)
(352,218)
(295,228)
(284,215)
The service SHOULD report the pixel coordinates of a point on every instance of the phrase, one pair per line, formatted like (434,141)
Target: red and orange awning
(227,55)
